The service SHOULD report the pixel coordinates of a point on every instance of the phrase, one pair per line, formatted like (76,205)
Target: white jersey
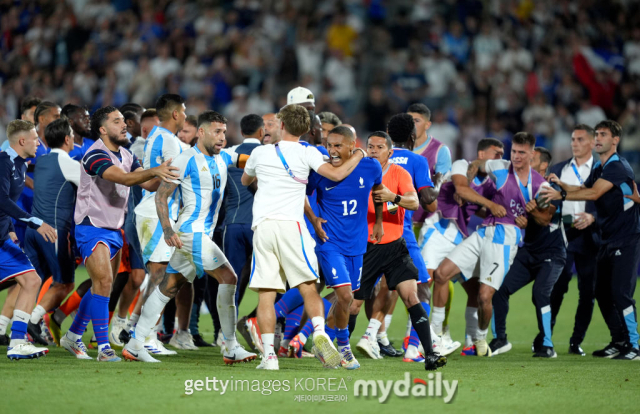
(161,145)
(279,196)
(201,186)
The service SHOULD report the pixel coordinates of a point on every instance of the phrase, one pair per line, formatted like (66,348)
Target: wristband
(563,194)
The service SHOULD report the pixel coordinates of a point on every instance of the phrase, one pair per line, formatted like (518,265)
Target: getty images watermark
(337,389)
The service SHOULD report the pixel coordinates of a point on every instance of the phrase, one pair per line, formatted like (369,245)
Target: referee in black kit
(579,221)
(610,186)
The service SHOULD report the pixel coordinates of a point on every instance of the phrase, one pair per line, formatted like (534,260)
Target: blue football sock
(100,319)
(83,316)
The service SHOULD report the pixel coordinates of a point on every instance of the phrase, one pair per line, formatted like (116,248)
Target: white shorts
(480,256)
(435,246)
(198,255)
(154,248)
(282,251)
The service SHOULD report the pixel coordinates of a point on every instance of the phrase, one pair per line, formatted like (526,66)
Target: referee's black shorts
(392,260)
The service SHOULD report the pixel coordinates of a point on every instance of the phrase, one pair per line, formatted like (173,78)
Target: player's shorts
(490,249)
(283,251)
(391,259)
(341,270)
(437,240)
(198,255)
(154,248)
(88,238)
(135,254)
(13,261)
(61,265)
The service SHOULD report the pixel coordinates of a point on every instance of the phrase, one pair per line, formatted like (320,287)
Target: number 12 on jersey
(353,204)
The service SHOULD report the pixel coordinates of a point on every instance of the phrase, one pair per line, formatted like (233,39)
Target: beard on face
(118,139)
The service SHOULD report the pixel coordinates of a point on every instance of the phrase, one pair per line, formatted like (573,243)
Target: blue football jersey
(418,168)
(344,205)
(312,197)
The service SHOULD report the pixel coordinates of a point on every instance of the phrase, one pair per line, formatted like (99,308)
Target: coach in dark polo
(582,235)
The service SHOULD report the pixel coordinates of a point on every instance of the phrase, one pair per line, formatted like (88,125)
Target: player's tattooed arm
(378,230)
(461,183)
(475,167)
(162,208)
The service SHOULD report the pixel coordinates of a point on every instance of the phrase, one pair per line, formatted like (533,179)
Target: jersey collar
(12,153)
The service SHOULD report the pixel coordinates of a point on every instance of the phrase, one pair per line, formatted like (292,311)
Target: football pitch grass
(510,383)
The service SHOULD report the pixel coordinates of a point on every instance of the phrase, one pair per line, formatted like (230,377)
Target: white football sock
(383,338)
(411,352)
(318,324)
(481,334)
(19,316)
(437,319)
(226,304)
(150,313)
(37,314)
(120,320)
(73,336)
(302,338)
(267,343)
(132,321)
(372,329)
(408,331)
(387,321)
(471,318)
(284,343)
(4,324)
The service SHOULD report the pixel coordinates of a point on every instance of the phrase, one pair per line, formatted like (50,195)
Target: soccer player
(541,260)
(132,112)
(446,229)
(493,247)
(271,129)
(108,170)
(202,180)
(401,128)
(188,135)
(391,256)
(283,248)
(328,121)
(79,120)
(238,236)
(341,229)
(161,144)
(582,233)
(14,263)
(617,262)
(56,179)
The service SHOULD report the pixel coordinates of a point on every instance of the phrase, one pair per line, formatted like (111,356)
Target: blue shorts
(13,261)
(88,237)
(416,256)
(340,270)
(135,253)
(61,265)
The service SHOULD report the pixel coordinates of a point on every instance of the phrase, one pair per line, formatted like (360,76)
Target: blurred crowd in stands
(484,68)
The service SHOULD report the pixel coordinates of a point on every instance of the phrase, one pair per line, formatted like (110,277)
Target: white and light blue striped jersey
(161,145)
(201,186)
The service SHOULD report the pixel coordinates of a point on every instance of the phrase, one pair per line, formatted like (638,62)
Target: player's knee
(30,281)
(439,276)
(355,306)
(345,297)
(484,297)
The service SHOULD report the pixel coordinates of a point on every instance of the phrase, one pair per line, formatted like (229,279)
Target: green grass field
(514,382)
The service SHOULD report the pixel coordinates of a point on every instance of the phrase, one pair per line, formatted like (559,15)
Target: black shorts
(392,260)
(47,262)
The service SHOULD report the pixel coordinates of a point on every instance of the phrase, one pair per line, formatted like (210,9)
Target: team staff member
(578,219)
(56,180)
(617,262)
(540,260)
